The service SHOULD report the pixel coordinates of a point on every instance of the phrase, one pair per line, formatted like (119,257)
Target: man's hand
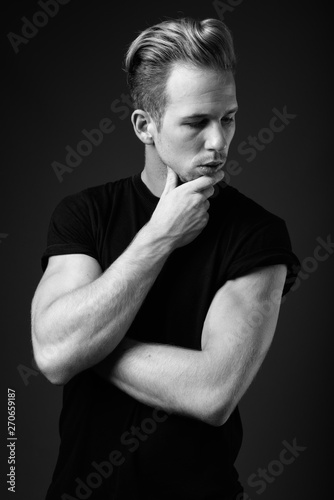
(182,212)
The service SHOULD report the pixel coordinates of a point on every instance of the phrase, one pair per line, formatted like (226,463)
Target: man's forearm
(163,376)
(206,384)
(92,319)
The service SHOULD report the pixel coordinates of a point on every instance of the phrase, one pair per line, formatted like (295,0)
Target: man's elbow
(217,418)
(213,410)
(51,366)
(54,373)
(57,377)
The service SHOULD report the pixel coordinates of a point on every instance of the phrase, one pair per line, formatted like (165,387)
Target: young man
(161,292)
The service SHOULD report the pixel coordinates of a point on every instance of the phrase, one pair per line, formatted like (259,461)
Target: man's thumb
(171,180)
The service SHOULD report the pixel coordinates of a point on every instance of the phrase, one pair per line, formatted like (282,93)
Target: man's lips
(213,164)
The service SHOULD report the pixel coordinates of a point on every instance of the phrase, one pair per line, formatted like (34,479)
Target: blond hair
(151,56)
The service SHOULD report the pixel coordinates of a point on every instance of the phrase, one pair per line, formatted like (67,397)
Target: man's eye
(228,120)
(196,124)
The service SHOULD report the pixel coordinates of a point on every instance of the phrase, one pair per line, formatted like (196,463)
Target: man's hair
(152,55)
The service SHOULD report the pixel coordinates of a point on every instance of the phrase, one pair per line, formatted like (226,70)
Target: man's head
(180,74)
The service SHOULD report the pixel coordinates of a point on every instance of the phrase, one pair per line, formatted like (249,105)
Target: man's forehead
(190,85)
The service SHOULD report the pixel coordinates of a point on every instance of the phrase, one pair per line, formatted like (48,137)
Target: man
(161,292)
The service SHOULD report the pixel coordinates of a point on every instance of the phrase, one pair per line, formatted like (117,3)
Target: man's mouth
(212,166)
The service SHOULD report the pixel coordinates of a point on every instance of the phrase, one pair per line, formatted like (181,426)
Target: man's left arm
(207,384)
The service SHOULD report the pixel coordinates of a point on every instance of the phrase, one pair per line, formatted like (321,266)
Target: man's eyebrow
(205,115)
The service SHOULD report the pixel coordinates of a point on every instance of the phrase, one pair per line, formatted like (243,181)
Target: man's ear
(143,126)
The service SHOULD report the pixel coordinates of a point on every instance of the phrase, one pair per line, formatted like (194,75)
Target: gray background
(64,80)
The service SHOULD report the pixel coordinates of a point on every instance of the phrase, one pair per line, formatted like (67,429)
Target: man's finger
(200,183)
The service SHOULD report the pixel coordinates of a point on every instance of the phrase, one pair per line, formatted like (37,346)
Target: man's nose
(216,138)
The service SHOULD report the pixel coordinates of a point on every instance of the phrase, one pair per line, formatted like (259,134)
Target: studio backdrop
(67,126)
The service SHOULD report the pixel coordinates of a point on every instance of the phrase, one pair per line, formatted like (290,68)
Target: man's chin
(182,180)
(216,176)
(189,177)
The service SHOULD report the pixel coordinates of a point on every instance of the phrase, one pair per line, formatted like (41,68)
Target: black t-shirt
(112,446)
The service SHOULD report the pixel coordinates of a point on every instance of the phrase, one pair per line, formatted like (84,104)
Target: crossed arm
(80,316)
(207,384)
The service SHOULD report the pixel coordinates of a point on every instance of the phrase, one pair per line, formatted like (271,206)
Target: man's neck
(154,173)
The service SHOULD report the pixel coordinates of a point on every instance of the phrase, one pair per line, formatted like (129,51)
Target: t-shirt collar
(144,191)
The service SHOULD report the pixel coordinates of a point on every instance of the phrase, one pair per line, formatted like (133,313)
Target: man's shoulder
(101,193)
(240,207)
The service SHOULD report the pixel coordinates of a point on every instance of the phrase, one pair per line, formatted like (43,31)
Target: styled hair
(151,56)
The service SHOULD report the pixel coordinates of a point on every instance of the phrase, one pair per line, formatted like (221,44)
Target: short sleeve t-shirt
(113,446)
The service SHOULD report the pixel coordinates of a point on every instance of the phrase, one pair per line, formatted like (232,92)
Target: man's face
(199,122)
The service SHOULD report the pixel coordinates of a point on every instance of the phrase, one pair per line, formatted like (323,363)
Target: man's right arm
(79,314)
